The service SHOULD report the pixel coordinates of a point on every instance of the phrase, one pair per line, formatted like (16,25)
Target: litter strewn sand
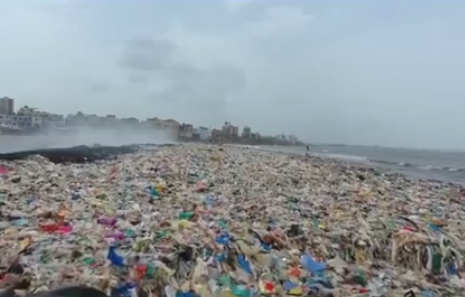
(202,220)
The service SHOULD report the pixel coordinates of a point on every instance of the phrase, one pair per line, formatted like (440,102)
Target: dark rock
(77,154)
(75,291)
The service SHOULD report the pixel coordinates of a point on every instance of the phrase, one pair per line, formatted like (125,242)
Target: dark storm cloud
(186,82)
(145,54)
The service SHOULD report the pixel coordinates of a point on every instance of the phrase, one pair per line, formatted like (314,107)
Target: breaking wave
(420,166)
(343,157)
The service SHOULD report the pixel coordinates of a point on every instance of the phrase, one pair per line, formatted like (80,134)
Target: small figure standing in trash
(307,153)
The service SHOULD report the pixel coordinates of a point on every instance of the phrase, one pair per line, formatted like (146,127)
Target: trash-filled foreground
(197,220)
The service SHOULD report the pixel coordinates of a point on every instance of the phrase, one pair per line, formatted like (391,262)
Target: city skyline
(27,117)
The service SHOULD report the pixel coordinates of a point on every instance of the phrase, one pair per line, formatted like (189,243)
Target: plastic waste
(176,222)
(114,258)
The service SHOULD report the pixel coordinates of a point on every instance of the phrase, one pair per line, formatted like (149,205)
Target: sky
(356,72)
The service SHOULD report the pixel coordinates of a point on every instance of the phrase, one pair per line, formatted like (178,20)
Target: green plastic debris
(163,234)
(130,233)
(436,265)
(361,277)
(186,215)
(225,280)
(150,272)
(240,291)
(45,258)
(223,224)
(88,260)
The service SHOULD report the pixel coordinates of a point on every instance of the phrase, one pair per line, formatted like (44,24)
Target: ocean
(446,166)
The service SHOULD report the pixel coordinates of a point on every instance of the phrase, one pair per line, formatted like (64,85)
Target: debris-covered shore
(199,220)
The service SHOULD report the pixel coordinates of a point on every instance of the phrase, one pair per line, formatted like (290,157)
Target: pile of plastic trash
(195,220)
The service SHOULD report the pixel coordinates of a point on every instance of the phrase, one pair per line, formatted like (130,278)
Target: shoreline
(364,162)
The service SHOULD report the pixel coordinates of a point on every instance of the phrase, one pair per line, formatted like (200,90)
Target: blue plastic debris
(244,264)
(114,258)
(152,191)
(265,247)
(311,264)
(288,285)
(223,238)
(452,269)
(123,290)
(220,257)
(434,227)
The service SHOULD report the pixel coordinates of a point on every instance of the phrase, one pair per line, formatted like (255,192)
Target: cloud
(327,71)
(99,87)
(237,5)
(204,88)
(147,54)
(139,79)
(279,21)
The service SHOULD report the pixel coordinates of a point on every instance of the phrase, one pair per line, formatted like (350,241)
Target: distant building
(217,134)
(52,120)
(28,111)
(186,131)
(28,117)
(7,105)
(79,119)
(110,120)
(255,136)
(292,139)
(247,132)
(203,133)
(230,131)
(131,121)
(21,121)
(169,125)
(94,120)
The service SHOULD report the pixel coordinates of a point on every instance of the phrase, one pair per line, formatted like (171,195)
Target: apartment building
(246,132)
(7,105)
(203,133)
(21,121)
(230,131)
(169,125)
(186,131)
(217,134)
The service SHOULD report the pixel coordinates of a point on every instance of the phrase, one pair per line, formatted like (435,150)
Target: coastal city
(28,120)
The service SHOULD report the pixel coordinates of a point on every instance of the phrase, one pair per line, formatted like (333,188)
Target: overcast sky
(358,72)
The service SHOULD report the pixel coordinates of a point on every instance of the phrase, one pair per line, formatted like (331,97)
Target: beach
(442,165)
(207,220)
